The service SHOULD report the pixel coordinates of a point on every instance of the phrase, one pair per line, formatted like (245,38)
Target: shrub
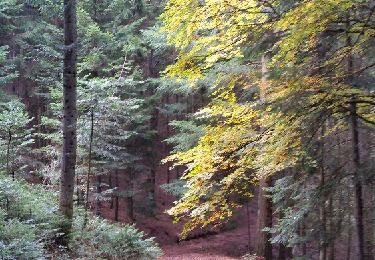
(112,241)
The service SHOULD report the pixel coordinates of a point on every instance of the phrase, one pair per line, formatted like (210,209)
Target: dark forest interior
(187,129)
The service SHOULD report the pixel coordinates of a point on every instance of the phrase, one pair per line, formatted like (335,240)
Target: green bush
(18,240)
(29,226)
(100,239)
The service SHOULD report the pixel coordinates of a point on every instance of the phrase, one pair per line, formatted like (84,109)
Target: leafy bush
(102,239)
(29,226)
(18,240)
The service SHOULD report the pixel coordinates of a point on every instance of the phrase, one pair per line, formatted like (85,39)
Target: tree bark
(330,223)
(9,172)
(70,116)
(323,215)
(88,176)
(98,194)
(264,246)
(111,187)
(129,196)
(116,196)
(358,193)
(357,183)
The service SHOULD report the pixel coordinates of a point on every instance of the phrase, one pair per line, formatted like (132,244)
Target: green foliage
(29,219)
(15,136)
(6,75)
(101,239)
(265,120)
(29,225)
(176,188)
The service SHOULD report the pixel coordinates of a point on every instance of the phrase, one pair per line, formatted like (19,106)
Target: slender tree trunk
(98,194)
(264,246)
(78,191)
(88,175)
(130,203)
(111,187)
(9,171)
(323,216)
(349,241)
(330,222)
(117,196)
(129,197)
(357,183)
(358,193)
(70,117)
(95,10)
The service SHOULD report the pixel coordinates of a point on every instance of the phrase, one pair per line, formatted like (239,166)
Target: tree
(308,87)
(68,162)
(15,137)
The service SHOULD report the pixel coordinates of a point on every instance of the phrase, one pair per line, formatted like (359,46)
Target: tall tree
(264,246)
(70,115)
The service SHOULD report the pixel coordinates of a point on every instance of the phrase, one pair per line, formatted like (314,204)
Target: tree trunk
(349,241)
(264,246)
(357,183)
(129,196)
(117,196)
(9,171)
(98,194)
(323,216)
(356,158)
(88,175)
(111,187)
(70,117)
(282,252)
(330,222)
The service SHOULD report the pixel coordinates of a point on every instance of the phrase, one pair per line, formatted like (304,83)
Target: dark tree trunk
(70,116)
(116,196)
(98,195)
(330,222)
(356,158)
(282,252)
(111,187)
(264,247)
(129,196)
(357,183)
(323,215)
(349,241)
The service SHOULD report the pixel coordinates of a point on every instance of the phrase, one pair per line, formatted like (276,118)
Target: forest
(187,129)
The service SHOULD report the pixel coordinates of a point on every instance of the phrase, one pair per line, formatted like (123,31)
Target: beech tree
(313,88)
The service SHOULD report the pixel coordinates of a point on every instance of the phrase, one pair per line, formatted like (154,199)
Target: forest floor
(226,245)
(230,244)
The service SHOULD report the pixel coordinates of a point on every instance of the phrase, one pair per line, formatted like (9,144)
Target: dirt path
(224,246)
(193,256)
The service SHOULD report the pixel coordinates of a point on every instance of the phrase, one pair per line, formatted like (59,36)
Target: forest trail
(223,246)
(193,256)
(230,244)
